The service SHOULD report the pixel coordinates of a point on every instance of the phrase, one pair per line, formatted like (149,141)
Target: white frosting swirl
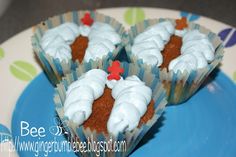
(180,33)
(196,52)
(131,99)
(102,40)
(149,44)
(82,93)
(84,30)
(56,41)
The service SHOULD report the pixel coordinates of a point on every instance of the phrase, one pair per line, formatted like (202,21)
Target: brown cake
(171,50)
(173,47)
(79,47)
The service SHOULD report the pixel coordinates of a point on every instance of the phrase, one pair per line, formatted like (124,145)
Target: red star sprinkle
(87,20)
(181,23)
(115,71)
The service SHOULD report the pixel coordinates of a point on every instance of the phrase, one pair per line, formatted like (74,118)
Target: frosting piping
(56,41)
(196,52)
(131,99)
(149,44)
(82,93)
(102,40)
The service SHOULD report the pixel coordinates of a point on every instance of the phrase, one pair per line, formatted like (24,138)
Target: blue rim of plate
(203,126)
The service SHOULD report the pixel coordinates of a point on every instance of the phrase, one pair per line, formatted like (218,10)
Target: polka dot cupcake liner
(131,138)
(55,69)
(179,86)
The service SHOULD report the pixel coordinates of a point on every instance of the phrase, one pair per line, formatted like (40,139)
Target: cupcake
(181,54)
(116,102)
(63,42)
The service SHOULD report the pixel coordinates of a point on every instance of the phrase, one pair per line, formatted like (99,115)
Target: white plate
(19,67)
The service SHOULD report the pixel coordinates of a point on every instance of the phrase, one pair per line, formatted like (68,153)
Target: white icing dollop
(82,93)
(131,99)
(111,83)
(180,33)
(149,44)
(196,52)
(84,30)
(102,40)
(56,41)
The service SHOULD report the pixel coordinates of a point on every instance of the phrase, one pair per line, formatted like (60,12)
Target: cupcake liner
(131,138)
(179,86)
(55,69)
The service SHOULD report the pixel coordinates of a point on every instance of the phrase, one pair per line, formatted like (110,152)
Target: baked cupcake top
(90,40)
(173,46)
(130,98)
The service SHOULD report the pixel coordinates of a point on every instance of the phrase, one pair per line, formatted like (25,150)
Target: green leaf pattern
(234,76)
(134,15)
(23,70)
(2,54)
